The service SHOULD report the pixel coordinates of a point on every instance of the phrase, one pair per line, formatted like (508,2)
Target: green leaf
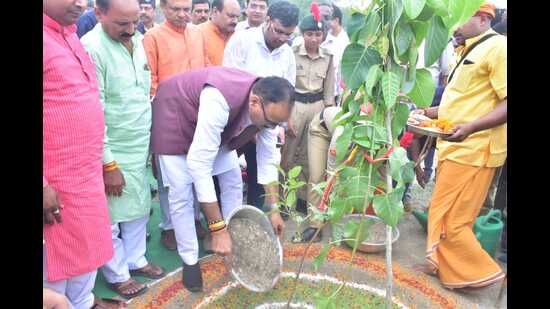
(439,7)
(424,89)
(407,172)
(392,12)
(390,88)
(375,73)
(436,41)
(413,8)
(337,210)
(420,29)
(321,257)
(456,8)
(369,32)
(404,37)
(426,14)
(350,229)
(399,120)
(291,199)
(294,172)
(382,45)
(356,22)
(413,59)
(389,206)
(356,62)
(397,159)
(470,8)
(342,142)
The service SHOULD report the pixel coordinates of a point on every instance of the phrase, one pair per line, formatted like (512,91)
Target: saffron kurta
(72,123)
(124,83)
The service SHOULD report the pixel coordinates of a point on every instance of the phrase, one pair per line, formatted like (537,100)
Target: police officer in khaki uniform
(314,90)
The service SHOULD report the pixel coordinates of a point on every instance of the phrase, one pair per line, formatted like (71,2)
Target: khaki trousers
(295,150)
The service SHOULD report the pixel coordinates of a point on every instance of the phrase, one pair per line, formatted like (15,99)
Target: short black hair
(103,4)
(337,13)
(274,89)
(286,12)
(266,2)
(199,2)
(218,4)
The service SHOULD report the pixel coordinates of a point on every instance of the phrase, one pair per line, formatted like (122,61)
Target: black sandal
(192,277)
(307,235)
(117,288)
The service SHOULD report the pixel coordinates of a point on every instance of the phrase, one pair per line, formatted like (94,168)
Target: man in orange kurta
(176,45)
(475,100)
(217,31)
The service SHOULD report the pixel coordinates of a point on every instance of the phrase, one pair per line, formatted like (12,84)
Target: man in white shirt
(337,40)
(192,143)
(263,51)
(256,11)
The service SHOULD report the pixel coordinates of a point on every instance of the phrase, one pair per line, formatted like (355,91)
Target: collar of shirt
(54,25)
(260,39)
(473,40)
(303,52)
(135,39)
(174,28)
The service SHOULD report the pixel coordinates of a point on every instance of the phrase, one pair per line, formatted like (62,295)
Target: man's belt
(308,97)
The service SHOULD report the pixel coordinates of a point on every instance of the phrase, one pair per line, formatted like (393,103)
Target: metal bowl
(367,247)
(258,216)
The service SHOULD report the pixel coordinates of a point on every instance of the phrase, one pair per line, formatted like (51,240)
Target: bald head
(225,15)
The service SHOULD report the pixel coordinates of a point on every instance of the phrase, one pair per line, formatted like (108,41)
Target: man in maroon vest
(199,118)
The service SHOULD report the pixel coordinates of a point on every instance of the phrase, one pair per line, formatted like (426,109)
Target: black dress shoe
(307,235)
(192,277)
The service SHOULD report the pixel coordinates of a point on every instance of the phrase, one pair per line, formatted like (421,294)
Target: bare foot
(425,268)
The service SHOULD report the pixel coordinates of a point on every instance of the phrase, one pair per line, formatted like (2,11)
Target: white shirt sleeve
(267,155)
(291,72)
(206,142)
(234,54)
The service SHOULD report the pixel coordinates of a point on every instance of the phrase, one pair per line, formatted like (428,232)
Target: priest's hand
(114,182)
(221,242)
(50,206)
(460,132)
(277,223)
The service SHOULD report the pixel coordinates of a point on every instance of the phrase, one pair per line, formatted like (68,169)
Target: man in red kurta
(77,234)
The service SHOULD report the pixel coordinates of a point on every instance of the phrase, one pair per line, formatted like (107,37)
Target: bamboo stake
(389,266)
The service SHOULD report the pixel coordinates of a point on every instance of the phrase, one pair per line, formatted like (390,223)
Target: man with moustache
(256,11)
(77,236)
(146,15)
(217,31)
(200,13)
(124,81)
(263,51)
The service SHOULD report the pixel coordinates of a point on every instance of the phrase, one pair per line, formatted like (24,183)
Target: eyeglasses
(269,124)
(279,32)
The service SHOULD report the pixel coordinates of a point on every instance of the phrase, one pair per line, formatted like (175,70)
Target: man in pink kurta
(78,241)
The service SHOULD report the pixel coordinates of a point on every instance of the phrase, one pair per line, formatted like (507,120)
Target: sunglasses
(269,124)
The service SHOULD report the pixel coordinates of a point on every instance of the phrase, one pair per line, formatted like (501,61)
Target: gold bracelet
(218,230)
(216,225)
(110,168)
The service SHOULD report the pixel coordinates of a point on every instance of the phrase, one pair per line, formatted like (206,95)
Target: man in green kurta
(124,82)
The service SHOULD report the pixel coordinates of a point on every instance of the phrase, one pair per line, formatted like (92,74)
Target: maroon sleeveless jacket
(176,106)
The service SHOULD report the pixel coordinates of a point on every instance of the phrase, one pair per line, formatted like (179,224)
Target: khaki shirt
(315,75)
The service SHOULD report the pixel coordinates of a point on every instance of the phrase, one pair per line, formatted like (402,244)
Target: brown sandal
(149,271)
(108,303)
(122,288)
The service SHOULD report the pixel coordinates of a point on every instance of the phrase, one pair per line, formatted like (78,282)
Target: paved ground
(410,249)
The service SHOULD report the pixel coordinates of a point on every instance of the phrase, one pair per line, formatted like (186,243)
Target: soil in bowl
(255,253)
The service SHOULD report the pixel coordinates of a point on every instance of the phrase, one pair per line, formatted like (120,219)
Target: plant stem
(326,192)
(389,267)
